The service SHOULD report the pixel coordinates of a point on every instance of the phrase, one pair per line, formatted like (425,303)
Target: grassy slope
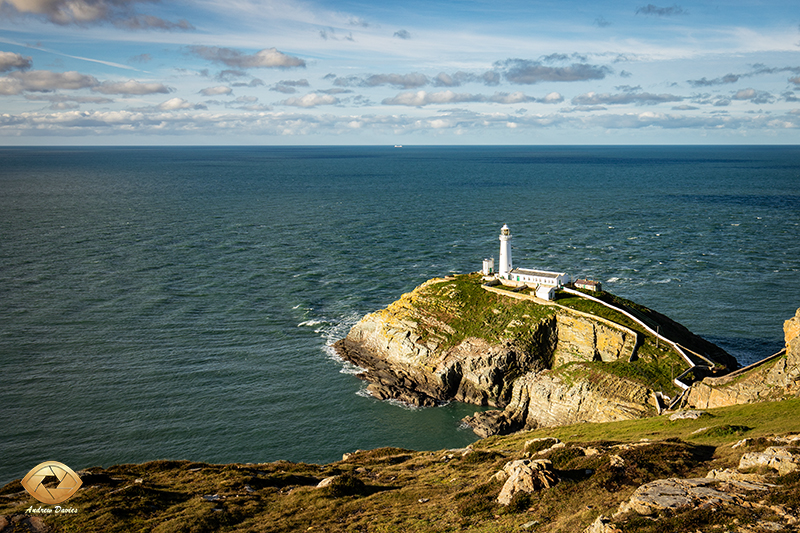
(470,311)
(463,305)
(389,489)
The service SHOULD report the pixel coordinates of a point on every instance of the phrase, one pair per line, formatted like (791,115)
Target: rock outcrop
(546,399)
(729,488)
(779,458)
(526,475)
(771,379)
(453,339)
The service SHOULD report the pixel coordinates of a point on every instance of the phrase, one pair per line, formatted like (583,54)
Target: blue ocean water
(180,302)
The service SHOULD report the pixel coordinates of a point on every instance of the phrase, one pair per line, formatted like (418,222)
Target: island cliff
(538,363)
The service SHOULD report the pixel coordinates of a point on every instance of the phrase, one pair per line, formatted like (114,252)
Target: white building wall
(545,292)
(488,266)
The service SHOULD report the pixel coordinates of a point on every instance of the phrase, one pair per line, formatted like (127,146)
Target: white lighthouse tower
(505,252)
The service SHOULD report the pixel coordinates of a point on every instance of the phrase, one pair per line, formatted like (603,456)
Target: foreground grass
(391,489)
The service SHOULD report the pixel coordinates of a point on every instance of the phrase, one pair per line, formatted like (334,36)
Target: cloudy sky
(300,72)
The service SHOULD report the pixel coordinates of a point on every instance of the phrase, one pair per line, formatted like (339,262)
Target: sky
(416,72)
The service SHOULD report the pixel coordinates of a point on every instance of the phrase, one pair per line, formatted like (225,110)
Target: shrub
(344,485)
(479,457)
(539,445)
(520,503)
(479,501)
(562,457)
(725,430)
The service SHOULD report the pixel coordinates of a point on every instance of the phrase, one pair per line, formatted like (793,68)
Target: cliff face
(546,399)
(454,340)
(581,338)
(411,352)
(774,378)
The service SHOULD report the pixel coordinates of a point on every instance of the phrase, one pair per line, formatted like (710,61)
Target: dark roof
(540,273)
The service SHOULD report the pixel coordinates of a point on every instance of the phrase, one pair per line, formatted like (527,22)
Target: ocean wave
(338,328)
(364,393)
(333,331)
(308,323)
(347,367)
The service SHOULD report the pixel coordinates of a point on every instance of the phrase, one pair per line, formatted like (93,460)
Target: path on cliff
(678,348)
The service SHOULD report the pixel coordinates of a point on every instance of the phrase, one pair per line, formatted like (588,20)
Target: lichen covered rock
(526,475)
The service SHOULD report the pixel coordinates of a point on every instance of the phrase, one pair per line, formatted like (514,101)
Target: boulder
(542,445)
(602,524)
(526,475)
(776,457)
(690,414)
(729,474)
(672,494)
(342,485)
(500,476)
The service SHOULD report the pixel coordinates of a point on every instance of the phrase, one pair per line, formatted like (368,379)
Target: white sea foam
(333,331)
(364,393)
(313,322)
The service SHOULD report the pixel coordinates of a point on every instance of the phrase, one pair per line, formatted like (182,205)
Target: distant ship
(398,145)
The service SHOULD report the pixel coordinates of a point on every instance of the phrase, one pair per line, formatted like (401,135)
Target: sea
(181,302)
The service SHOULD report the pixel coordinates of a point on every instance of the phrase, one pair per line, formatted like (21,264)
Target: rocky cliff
(541,363)
(773,378)
(545,399)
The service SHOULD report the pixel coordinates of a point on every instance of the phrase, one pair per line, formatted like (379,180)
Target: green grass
(471,311)
(766,418)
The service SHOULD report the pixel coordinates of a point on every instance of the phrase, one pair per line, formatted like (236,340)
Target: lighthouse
(505,252)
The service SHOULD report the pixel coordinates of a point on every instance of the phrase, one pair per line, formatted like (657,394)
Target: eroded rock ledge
(773,378)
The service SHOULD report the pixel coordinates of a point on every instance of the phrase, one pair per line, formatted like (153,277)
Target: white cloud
(12,61)
(131,87)
(82,12)
(757,97)
(175,104)
(553,98)
(310,100)
(47,81)
(592,98)
(266,58)
(216,91)
(59,98)
(423,98)
(164,121)
(44,81)
(525,71)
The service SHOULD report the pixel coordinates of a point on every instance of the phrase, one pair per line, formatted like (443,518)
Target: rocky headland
(733,468)
(538,363)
